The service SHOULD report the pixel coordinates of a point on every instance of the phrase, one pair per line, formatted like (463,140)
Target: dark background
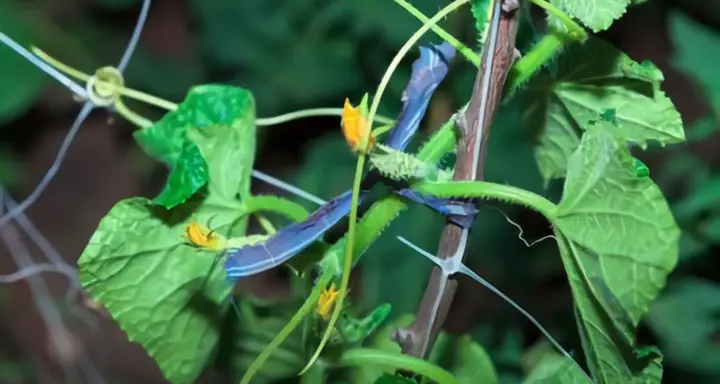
(314,53)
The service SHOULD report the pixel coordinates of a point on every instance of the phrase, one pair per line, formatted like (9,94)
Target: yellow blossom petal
(326,302)
(355,127)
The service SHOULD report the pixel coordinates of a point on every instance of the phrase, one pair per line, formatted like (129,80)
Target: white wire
(50,174)
(288,187)
(33,270)
(132,44)
(41,241)
(82,115)
(450,267)
(45,67)
(47,309)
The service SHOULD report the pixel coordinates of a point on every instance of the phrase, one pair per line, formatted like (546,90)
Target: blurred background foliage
(295,54)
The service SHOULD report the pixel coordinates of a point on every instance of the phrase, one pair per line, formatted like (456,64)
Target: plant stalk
(474,124)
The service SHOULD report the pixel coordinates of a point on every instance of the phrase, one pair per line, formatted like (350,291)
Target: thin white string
(45,67)
(287,187)
(450,267)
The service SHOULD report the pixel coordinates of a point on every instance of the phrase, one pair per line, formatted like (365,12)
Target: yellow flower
(355,127)
(327,300)
(201,236)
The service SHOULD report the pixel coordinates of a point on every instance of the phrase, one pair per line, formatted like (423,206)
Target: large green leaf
(597,15)
(590,82)
(156,285)
(685,320)
(619,241)
(210,135)
(612,208)
(606,330)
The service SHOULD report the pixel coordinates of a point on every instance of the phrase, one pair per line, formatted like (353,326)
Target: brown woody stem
(474,124)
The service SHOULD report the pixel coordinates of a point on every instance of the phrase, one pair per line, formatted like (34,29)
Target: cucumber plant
(164,267)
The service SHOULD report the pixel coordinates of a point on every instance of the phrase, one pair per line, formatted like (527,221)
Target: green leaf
(619,241)
(229,152)
(381,340)
(606,330)
(691,43)
(189,174)
(285,362)
(624,218)
(204,106)
(685,320)
(592,82)
(597,15)
(472,364)
(211,136)
(354,329)
(157,286)
(554,368)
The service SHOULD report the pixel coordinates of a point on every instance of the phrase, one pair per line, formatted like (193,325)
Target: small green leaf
(472,364)
(204,106)
(619,241)
(381,340)
(554,368)
(557,143)
(593,83)
(597,15)
(219,122)
(156,285)
(685,320)
(354,330)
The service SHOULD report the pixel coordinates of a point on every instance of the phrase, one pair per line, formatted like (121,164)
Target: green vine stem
(294,322)
(575,29)
(361,357)
(532,61)
(484,189)
(405,49)
(464,50)
(170,106)
(274,204)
